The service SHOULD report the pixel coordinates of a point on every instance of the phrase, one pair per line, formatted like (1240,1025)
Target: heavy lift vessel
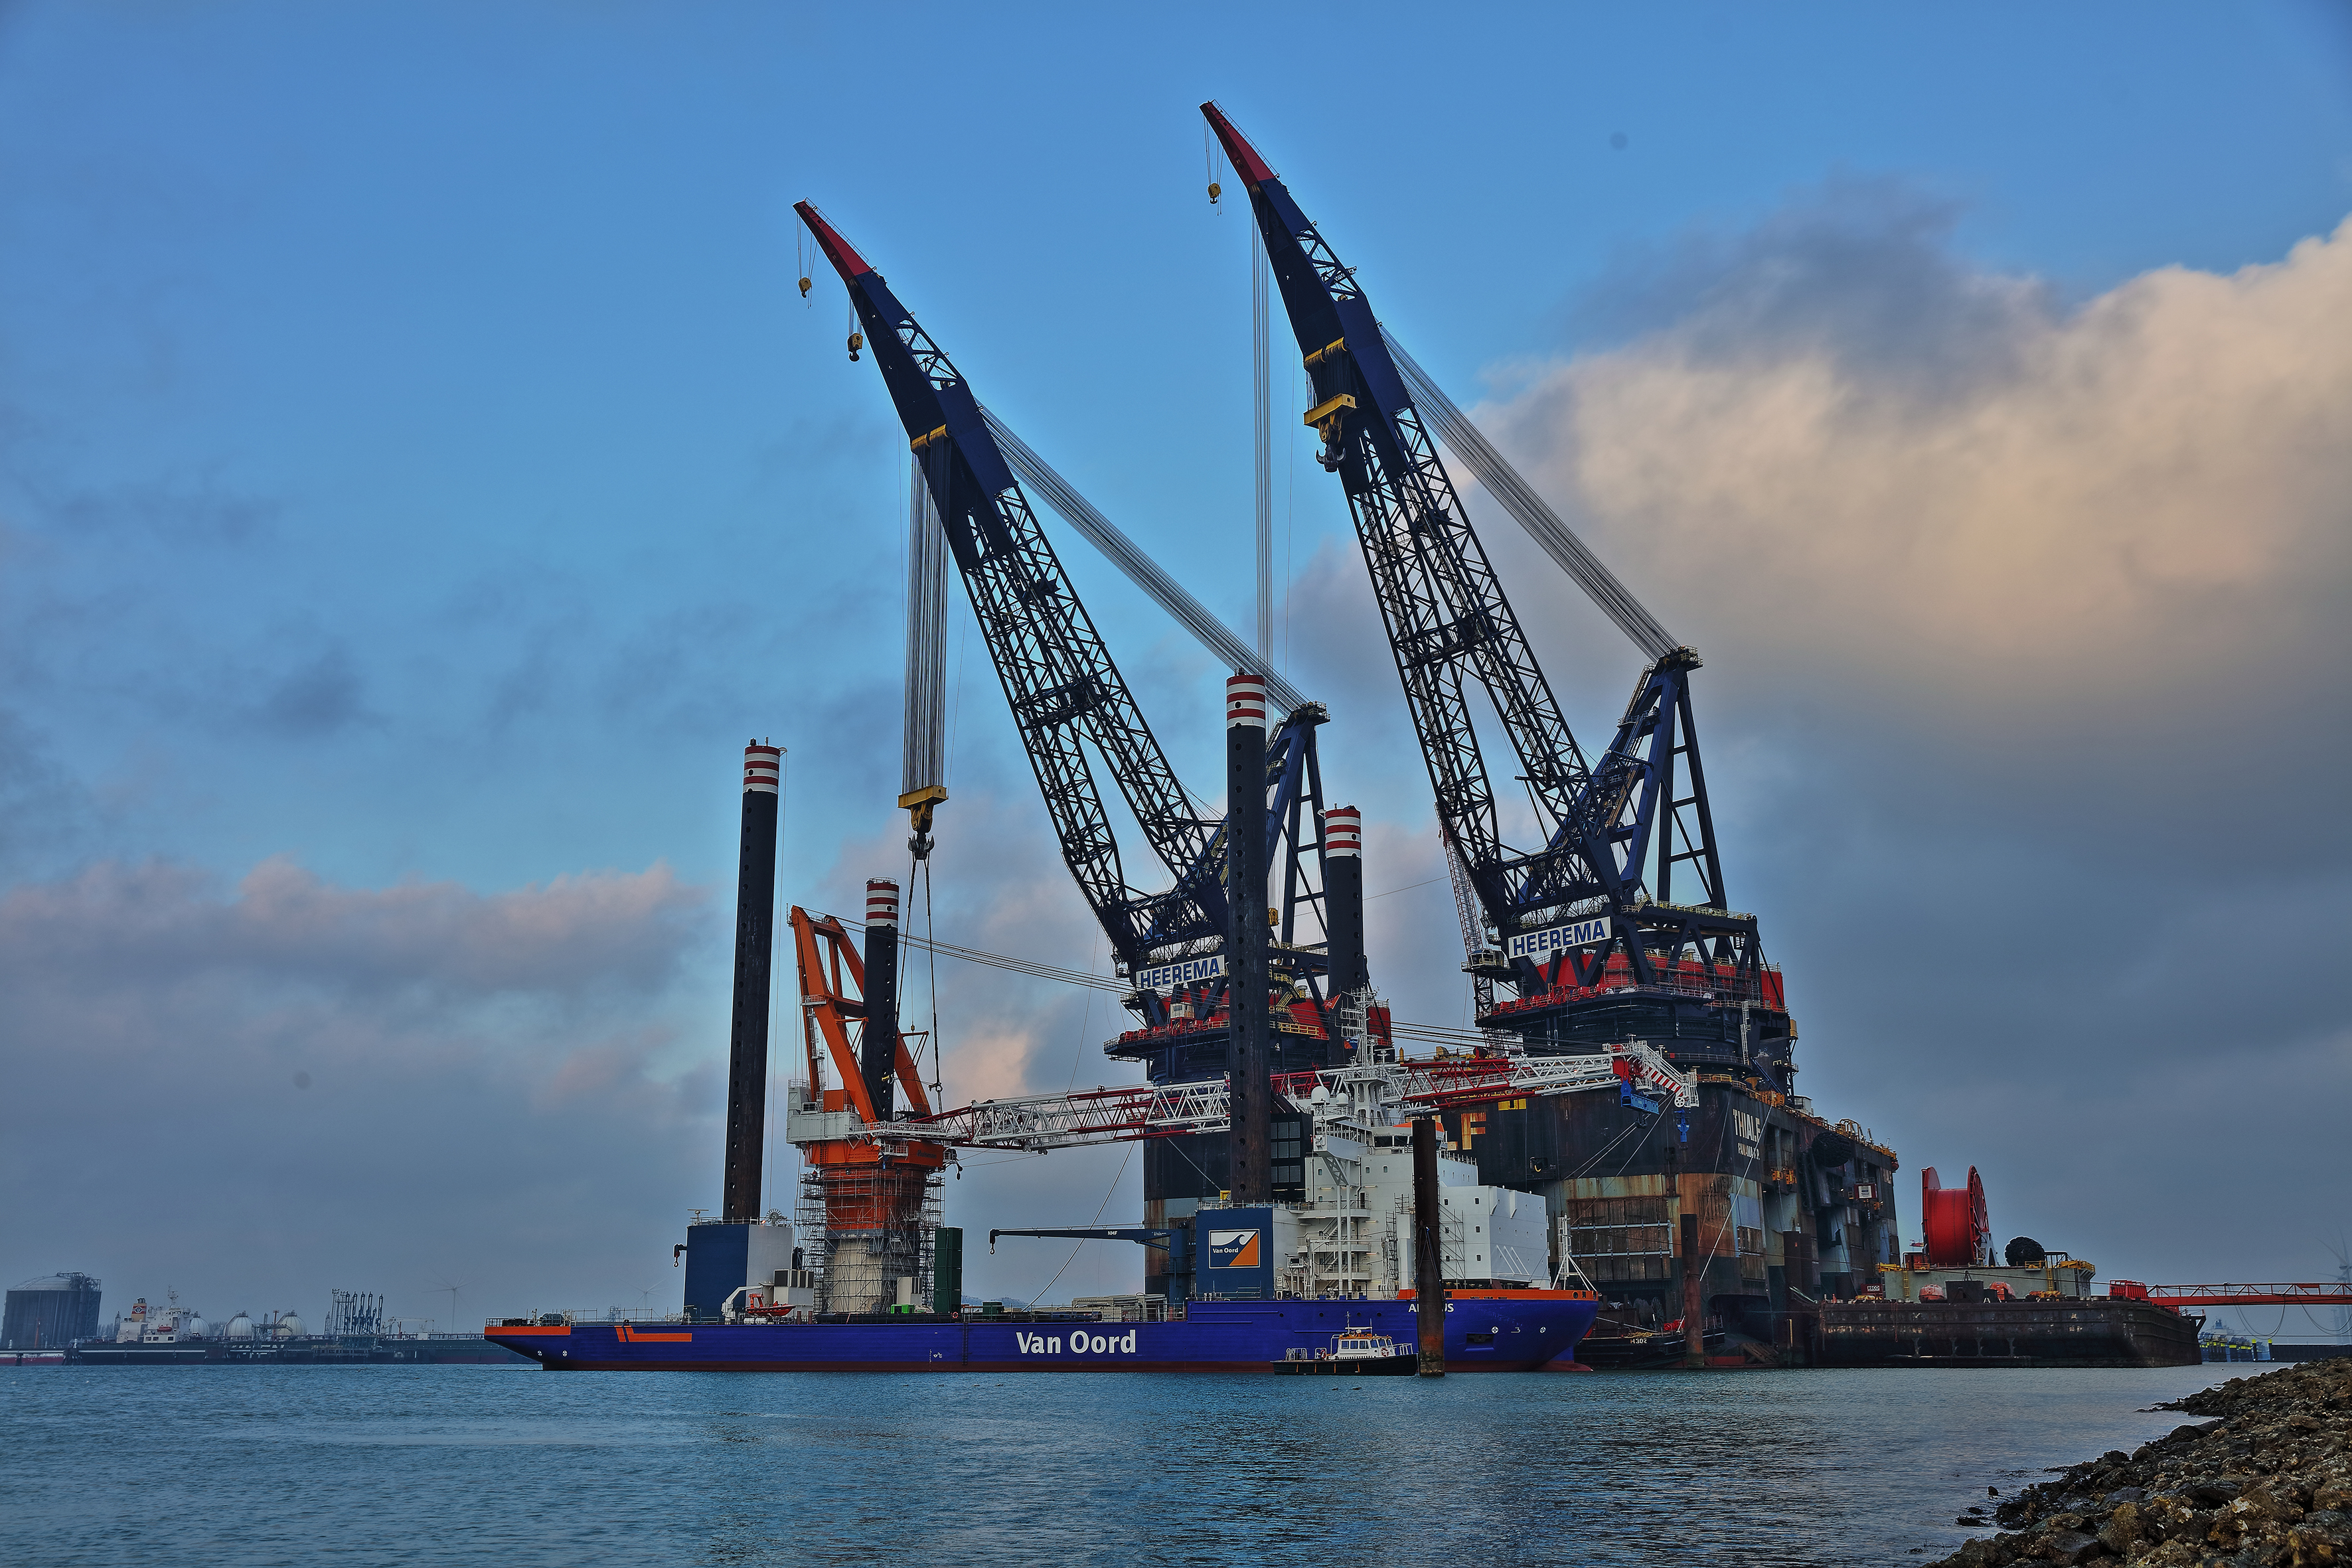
(1570,929)
(1616,925)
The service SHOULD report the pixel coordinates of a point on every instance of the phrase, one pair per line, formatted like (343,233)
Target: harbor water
(513,1467)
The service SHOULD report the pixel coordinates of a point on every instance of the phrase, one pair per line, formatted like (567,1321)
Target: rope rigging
(1434,1034)
(1519,499)
(1139,567)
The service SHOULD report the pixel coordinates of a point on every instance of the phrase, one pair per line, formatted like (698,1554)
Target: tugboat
(1354,1352)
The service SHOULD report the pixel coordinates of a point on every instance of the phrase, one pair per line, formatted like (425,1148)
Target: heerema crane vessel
(1615,923)
(1067,699)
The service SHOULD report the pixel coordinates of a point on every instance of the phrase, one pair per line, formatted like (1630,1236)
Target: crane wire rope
(1107,1194)
(1533,513)
(1262,441)
(1086,1017)
(922,764)
(1434,1034)
(1139,567)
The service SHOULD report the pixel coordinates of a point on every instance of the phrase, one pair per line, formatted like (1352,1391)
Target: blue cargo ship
(1485,1331)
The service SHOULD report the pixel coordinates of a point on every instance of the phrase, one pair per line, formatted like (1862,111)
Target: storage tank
(239,1328)
(287,1327)
(50,1313)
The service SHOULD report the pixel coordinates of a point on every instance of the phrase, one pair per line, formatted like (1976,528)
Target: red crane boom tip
(845,259)
(1244,157)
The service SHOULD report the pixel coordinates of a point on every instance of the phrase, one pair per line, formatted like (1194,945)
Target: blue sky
(418,474)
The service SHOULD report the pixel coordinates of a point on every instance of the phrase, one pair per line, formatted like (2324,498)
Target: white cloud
(2129,491)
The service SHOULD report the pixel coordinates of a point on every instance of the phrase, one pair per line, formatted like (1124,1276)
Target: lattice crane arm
(1170,1111)
(1617,830)
(1058,676)
(1449,621)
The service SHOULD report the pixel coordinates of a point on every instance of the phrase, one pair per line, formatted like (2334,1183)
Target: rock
(2266,1480)
(2320,1538)
(2068,1546)
(2263,1505)
(2125,1530)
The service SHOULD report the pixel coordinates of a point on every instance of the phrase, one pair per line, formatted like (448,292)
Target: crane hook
(1216,190)
(856,342)
(804,288)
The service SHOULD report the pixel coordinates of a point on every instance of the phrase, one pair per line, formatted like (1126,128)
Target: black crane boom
(1064,689)
(1584,925)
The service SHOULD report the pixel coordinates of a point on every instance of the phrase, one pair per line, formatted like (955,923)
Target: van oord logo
(1233,1249)
(1079,1344)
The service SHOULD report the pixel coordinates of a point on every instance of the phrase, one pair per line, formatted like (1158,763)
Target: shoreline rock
(2267,1481)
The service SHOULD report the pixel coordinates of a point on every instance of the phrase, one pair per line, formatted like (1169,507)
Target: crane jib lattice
(1170,1111)
(1617,831)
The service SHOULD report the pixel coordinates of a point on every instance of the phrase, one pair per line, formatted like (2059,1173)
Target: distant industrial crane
(1586,926)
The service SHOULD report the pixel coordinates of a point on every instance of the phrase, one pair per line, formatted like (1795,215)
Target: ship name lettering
(1080,1344)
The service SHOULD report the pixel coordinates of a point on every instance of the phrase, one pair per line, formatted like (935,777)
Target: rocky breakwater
(2268,1482)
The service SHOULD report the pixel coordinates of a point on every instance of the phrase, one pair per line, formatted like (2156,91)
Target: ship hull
(1506,1332)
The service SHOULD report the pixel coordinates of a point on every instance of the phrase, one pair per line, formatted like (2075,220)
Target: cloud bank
(253,1093)
(2025,624)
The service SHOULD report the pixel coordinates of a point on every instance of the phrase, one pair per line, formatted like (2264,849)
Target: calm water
(462,1465)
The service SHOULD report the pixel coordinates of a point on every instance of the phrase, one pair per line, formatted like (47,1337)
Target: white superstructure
(1355,1230)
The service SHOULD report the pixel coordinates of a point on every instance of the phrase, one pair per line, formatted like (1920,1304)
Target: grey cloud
(43,807)
(199,511)
(159,924)
(502,1073)
(1861,268)
(321,696)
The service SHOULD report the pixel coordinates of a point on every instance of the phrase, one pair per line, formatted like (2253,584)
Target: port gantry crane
(1067,696)
(1585,926)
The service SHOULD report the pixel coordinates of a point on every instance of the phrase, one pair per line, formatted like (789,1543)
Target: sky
(419,474)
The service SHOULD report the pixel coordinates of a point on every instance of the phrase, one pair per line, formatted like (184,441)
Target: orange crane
(877,1194)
